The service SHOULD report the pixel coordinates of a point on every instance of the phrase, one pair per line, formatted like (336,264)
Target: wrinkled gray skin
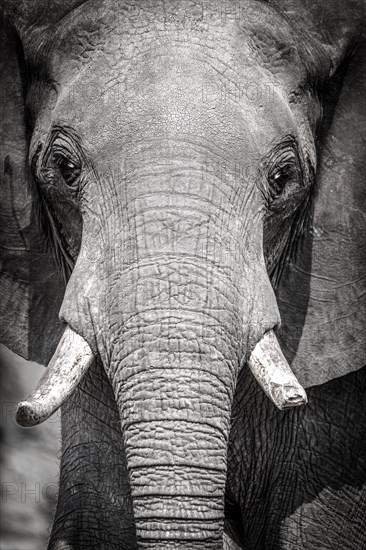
(215,167)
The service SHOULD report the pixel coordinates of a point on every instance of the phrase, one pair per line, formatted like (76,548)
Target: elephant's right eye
(285,173)
(65,158)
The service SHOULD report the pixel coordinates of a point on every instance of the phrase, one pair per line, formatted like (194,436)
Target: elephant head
(175,193)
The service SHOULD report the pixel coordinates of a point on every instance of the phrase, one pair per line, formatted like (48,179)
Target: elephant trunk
(174,371)
(175,415)
(176,429)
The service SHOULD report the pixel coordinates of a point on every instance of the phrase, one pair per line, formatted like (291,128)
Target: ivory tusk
(68,365)
(274,375)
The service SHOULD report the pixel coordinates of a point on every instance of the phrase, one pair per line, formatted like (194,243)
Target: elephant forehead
(124,72)
(177,91)
(128,27)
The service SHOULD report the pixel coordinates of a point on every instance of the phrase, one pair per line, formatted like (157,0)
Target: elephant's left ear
(31,284)
(322,293)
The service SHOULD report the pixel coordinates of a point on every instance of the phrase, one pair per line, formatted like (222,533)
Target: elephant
(183,244)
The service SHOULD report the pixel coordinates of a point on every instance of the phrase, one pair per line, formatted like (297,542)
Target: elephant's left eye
(69,170)
(64,159)
(285,175)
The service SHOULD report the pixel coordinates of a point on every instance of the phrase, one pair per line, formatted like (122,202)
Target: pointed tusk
(68,365)
(274,375)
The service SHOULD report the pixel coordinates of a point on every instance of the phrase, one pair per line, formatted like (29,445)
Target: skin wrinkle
(168,261)
(207,258)
(172,309)
(222,383)
(217,353)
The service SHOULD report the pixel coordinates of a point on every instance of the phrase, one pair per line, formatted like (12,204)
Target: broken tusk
(68,365)
(274,375)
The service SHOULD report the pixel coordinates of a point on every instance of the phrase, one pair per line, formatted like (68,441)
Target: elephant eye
(281,177)
(69,170)
(64,159)
(285,176)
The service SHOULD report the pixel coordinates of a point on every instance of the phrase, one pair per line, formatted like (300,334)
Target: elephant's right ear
(31,283)
(322,293)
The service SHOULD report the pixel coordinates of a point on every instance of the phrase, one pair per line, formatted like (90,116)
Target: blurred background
(29,460)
